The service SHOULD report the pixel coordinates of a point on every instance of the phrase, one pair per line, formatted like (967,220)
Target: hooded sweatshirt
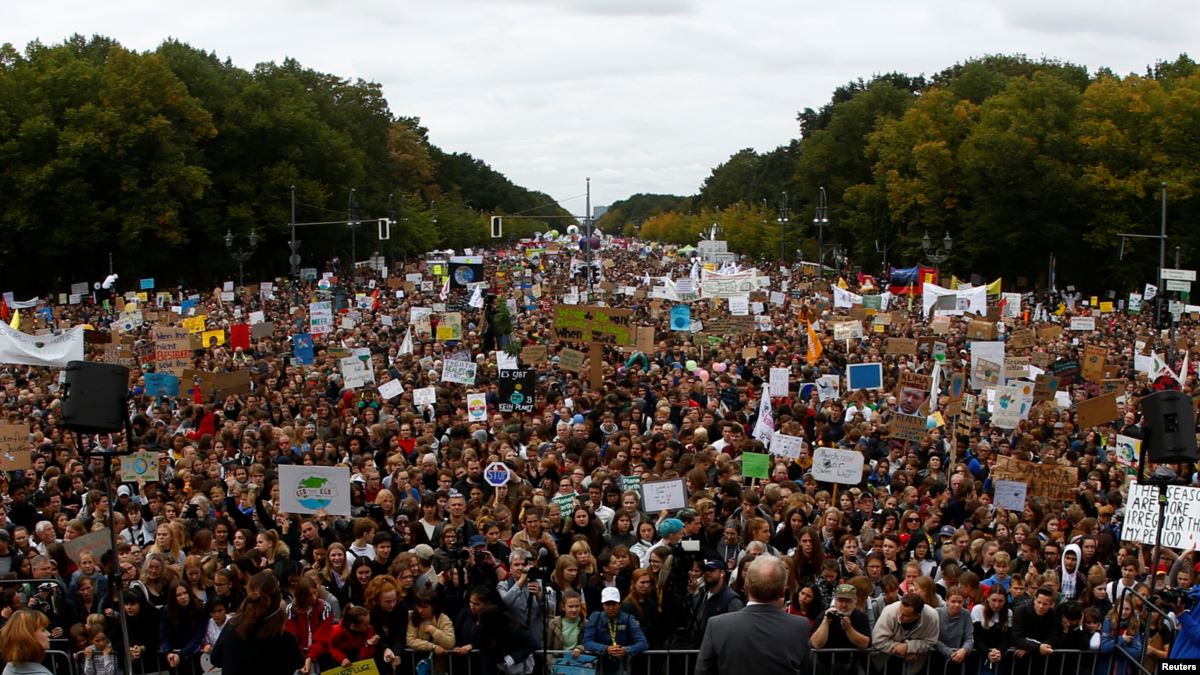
(1073,584)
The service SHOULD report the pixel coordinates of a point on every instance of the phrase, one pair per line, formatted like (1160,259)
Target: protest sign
(303,349)
(517,390)
(592,324)
(391,389)
(477,407)
(425,396)
(681,318)
(990,351)
(139,466)
(900,346)
(15,453)
(462,372)
(1066,370)
(778,383)
(533,354)
(864,376)
(986,372)
(756,465)
(1096,411)
(364,667)
(96,543)
(907,427)
(981,330)
(1053,482)
(161,385)
(570,360)
(1094,358)
(320,317)
(834,465)
(449,327)
(1126,450)
(1010,495)
(1083,323)
(194,324)
(1022,339)
(172,349)
(664,495)
(308,489)
(1012,405)
(1044,387)
(786,446)
(912,393)
(1181,525)
(356,372)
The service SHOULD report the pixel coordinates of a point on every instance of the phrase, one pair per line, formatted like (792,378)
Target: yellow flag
(16,320)
(813,354)
(994,287)
(842,284)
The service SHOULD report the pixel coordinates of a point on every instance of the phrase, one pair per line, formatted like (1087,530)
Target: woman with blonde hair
(166,545)
(24,640)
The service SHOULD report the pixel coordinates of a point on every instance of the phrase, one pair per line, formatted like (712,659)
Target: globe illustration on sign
(315,492)
(463,274)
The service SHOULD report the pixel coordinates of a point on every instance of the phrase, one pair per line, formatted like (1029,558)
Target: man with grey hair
(762,634)
(45,535)
(529,600)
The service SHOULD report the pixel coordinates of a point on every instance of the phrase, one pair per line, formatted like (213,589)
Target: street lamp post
(353,223)
(936,257)
(783,221)
(820,220)
(241,255)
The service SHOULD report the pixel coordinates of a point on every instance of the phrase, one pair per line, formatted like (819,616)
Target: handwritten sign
(786,446)
(908,427)
(139,465)
(589,323)
(1053,482)
(664,495)
(15,453)
(1181,526)
(462,372)
(570,360)
(1010,494)
(834,465)
(778,384)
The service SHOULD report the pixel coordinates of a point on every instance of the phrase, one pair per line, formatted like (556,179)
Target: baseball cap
(610,594)
(423,551)
(845,591)
(124,491)
(477,540)
(713,565)
(946,531)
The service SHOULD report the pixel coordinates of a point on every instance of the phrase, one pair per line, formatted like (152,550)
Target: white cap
(610,594)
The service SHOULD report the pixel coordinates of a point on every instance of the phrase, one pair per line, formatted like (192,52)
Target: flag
(445,289)
(842,284)
(375,300)
(16,320)
(764,427)
(815,348)
(406,347)
(994,287)
(933,390)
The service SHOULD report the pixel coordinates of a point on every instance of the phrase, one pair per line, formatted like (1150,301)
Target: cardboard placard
(15,453)
(981,330)
(1044,387)
(570,360)
(1051,332)
(900,346)
(1096,411)
(912,393)
(1054,482)
(1022,339)
(531,354)
(1094,358)
(907,427)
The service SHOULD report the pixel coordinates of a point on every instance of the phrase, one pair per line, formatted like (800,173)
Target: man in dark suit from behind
(761,636)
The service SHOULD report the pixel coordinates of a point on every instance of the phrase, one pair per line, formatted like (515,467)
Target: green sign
(756,465)
(591,324)
(631,483)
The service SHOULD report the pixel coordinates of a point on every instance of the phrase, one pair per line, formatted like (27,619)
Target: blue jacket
(596,636)
(1107,644)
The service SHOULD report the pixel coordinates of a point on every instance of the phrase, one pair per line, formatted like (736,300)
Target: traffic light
(1162,313)
(497,227)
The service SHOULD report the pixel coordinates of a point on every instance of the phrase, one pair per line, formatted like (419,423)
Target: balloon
(719,366)
(702,374)
(690,365)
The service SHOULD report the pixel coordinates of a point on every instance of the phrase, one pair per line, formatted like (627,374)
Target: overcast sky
(640,95)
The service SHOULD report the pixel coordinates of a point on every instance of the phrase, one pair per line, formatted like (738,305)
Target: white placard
(309,489)
(425,396)
(477,407)
(779,382)
(1083,323)
(777,298)
(833,465)
(356,372)
(664,495)
(1010,495)
(506,361)
(845,330)
(462,372)
(320,318)
(739,306)
(828,387)
(786,446)
(257,316)
(988,350)
(1181,527)
(391,389)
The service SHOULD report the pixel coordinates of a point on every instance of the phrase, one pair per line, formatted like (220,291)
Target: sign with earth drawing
(516,390)
(309,489)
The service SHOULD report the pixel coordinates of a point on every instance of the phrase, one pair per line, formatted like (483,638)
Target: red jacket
(310,628)
(345,645)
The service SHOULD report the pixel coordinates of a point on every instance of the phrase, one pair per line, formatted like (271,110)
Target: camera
(834,615)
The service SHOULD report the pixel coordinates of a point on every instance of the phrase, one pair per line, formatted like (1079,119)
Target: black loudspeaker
(1169,427)
(93,397)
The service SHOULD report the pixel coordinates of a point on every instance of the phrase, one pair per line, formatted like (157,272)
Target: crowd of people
(914,567)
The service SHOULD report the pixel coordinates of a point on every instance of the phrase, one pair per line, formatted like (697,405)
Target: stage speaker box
(1169,427)
(94,397)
